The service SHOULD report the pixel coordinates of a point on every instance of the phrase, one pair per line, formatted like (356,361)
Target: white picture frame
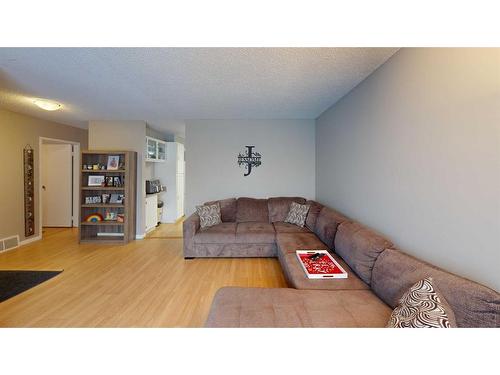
(96,180)
(113,162)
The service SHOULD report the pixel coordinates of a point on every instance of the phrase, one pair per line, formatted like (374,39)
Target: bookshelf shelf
(98,171)
(103,205)
(108,231)
(110,222)
(102,188)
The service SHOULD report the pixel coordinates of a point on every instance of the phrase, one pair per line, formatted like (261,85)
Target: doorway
(59,166)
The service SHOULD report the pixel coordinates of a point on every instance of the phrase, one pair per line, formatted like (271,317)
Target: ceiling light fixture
(47,104)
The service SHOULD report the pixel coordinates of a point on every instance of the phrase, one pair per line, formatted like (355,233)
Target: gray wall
(16,131)
(124,136)
(414,152)
(212,147)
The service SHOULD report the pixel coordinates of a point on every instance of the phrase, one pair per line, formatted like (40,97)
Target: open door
(57,185)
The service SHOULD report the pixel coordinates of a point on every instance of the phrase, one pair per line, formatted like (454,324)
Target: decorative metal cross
(251,159)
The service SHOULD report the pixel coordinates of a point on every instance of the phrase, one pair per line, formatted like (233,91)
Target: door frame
(75,177)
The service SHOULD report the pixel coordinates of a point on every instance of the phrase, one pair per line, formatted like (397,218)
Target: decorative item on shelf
(113,162)
(120,218)
(93,199)
(105,198)
(84,167)
(116,198)
(95,167)
(29,192)
(109,181)
(94,218)
(117,181)
(110,216)
(96,181)
(102,167)
(89,167)
(121,166)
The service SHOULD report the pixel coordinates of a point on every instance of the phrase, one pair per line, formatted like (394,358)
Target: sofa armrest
(189,228)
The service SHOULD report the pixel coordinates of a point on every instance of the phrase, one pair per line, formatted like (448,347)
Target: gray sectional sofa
(378,272)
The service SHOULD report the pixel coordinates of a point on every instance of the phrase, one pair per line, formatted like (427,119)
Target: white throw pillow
(422,307)
(297,214)
(209,215)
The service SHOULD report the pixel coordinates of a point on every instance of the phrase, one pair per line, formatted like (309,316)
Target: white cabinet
(151,211)
(156,150)
(171,174)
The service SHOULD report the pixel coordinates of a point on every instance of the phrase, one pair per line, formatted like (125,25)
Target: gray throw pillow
(422,306)
(209,215)
(297,214)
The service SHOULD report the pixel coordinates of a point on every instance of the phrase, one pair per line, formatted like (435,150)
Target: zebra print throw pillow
(209,215)
(422,307)
(297,214)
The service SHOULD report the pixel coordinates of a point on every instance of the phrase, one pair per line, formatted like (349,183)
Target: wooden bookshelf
(108,231)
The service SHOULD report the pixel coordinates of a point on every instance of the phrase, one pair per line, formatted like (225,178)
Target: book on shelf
(319,264)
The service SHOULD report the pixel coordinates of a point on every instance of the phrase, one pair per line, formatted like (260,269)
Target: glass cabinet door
(151,148)
(162,151)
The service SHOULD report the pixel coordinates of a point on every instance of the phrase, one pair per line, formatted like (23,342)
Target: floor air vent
(9,243)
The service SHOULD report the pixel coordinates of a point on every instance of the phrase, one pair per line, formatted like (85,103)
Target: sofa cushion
(209,215)
(312,215)
(279,207)
(250,209)
(227,209)
(296,278)
(422,306)
(474,305)
(234,250)
(359,247)
(221,233)
(326,225)
(281,227)
(283,307)
(291,241)
(255,232)
(294,274)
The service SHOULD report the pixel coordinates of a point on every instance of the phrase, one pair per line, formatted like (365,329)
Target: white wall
(212,147)
(124,136)
(414,152)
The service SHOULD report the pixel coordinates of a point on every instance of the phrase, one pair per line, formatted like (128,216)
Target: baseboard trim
(140,236)
(30,240)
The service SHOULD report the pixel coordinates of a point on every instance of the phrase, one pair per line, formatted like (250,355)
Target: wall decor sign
(29,192)
(250,160)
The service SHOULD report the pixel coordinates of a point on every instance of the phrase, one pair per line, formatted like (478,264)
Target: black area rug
(14,282)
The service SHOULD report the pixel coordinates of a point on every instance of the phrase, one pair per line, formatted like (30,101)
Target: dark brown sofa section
(378,273)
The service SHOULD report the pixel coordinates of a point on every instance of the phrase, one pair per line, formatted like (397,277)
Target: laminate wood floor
(145,283)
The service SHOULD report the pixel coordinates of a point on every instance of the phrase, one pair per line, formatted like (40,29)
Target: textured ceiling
(164,86)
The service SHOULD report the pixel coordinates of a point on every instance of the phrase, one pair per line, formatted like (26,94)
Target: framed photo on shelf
(109,181)
(96,181)
(110,216)
(113,162)
(116,199)
(117,181)
(105,198)
(93,199)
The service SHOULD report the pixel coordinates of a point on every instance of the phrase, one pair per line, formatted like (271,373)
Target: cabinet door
(180,195)
(180,158)
(162,151)
(151,212)
(151,149)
